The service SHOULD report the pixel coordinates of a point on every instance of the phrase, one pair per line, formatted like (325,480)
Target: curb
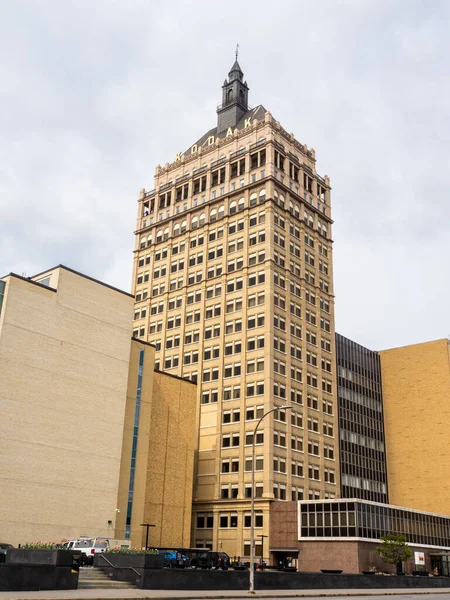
(240,594)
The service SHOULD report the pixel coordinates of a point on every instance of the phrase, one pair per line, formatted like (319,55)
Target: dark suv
(213,560)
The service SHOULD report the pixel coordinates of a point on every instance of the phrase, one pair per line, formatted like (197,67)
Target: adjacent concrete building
(233,284)
(416,396)
(68,405)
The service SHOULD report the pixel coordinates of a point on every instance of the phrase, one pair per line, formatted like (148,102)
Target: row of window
(232,266)
(233,305)
(256,412)
(231,492)
(231,440)
(213,234)
(253,343)
(227,520)
(254,239)
(235,206)
(200,219)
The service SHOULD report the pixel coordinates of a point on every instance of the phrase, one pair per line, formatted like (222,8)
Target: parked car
(3,549)
(174,560)
(213,560)
(87,547)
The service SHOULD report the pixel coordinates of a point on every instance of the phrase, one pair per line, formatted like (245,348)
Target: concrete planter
(32,556)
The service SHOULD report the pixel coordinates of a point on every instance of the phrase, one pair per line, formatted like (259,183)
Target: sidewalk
(127,594)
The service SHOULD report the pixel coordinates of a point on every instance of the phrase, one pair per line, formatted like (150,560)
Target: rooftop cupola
(234,99)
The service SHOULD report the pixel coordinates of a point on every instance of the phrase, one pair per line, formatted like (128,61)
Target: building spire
(234,98)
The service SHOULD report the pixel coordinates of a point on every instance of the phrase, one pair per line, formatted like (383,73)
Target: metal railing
(114,567)
(219,161)
(165,186)
(200,170)
(235,100)
(182,178)
(238,153)
(257,144)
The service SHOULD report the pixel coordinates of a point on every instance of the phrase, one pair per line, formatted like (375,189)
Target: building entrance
(284,559)
(441,562)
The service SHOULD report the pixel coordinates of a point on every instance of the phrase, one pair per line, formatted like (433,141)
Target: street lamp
(147,525)
(252,510)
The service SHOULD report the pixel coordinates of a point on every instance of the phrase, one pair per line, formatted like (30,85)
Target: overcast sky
(95,93)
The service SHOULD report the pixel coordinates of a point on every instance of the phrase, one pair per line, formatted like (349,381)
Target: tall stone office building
(233,285)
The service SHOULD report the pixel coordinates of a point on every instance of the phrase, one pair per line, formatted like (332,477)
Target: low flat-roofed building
(343,534)
(71,378)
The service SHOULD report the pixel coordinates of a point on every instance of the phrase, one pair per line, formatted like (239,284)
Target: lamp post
(252,510)
(147,525)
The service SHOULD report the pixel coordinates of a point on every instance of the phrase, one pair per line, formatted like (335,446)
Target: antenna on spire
(237,51)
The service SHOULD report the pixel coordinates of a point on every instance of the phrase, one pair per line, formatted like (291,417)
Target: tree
(394,550)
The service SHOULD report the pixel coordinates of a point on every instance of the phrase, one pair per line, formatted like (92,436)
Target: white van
(88,547)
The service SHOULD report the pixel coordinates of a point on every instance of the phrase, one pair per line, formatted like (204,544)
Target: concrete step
(102,584)
(94,578)
(92,573)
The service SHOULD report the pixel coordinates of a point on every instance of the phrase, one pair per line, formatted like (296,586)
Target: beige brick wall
(64,369)
(172,445)
(416,395)
(167,441)
(140,480)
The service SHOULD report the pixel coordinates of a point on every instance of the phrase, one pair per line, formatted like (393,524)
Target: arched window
(221,211)
(241,94)
(262,196)
(143,241)
(241,204)
(297,211)
(275,196)
(213,215)
(194,223)
(166,233)
(149,240)
(230,95)
(233,207)
(159,236)
(183,226)
(201,220)
(253,199)
(281,200)
(176,229)
(291,208)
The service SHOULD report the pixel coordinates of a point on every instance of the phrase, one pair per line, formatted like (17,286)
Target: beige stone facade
(416,396)
(64,353)
(234,287)
(70,375)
